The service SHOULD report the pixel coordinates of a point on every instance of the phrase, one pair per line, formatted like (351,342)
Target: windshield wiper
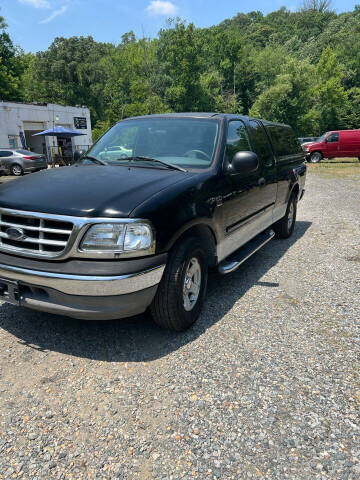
(149,159)
(94,159)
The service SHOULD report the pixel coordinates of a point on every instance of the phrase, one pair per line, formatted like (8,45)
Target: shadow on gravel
(138,339)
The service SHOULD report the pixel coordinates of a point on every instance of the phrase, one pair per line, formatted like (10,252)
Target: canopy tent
(60,132)
(61,156)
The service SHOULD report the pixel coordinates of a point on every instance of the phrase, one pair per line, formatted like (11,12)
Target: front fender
(200,224)
(184,205)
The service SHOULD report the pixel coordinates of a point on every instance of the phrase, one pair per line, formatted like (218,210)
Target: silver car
(17,161)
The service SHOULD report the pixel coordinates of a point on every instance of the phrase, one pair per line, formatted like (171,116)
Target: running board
(240,256)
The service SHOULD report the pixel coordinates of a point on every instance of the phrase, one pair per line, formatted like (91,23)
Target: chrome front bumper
(85,285)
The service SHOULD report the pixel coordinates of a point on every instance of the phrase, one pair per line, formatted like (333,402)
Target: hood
(87,190)
(308,144)
(315,142)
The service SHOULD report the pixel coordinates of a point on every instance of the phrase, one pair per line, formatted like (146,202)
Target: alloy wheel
(16,170)
(291,215)
(192,284)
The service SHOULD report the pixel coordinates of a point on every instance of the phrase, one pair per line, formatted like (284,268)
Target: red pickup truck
(339,143)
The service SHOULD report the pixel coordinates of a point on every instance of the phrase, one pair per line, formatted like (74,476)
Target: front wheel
(315,157)
(182,290)
(285,226)
(16,170)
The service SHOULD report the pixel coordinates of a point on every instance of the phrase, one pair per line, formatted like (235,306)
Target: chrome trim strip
(86,285)
(35,229)
(80,225)
(38,241)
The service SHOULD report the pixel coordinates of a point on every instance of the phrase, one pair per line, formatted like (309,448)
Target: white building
(19,122)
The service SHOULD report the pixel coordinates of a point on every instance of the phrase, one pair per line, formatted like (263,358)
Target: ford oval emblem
(15,233)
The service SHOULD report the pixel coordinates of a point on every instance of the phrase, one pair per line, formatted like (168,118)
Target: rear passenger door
(288,155)
(267,168)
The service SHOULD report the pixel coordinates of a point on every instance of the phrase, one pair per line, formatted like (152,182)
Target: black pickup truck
(140,218)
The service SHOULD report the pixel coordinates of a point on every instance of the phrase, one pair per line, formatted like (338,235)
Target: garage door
(39,126)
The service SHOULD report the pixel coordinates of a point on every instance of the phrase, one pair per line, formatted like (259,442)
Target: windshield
(322,138)
(184,142)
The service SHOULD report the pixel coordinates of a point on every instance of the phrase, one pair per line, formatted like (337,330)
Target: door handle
(262,182)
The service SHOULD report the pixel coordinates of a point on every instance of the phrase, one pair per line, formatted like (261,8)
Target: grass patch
(337,168)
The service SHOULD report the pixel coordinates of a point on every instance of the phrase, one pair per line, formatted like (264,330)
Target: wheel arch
(202,230)
(317,151)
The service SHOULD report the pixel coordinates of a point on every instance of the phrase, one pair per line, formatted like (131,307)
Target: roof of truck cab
(357,130)
(208,115)
(177,115)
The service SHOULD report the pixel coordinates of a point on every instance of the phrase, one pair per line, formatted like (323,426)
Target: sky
(33,24)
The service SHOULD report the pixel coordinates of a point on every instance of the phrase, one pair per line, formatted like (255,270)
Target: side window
(332,138)
(261,143)
(5,153)
(237,139)
(284,140)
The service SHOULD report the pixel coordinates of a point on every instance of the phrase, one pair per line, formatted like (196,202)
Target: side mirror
(78,154)
(243,162)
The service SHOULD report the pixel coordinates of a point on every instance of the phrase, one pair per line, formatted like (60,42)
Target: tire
(16,170)
(315,157)
(172,307)
(284,227)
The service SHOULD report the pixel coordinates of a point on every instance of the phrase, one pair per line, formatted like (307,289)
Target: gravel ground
(266,385)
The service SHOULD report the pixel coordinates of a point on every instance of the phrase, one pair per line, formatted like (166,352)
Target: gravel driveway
(266,385)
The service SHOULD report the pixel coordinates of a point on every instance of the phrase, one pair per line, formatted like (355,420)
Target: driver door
(333,145)
(243,196)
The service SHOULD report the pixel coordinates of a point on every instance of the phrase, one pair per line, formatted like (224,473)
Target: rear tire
(182,290)
(315,157)
(285,226)
(16,170)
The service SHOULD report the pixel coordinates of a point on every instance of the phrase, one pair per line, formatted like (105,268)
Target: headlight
(118,238)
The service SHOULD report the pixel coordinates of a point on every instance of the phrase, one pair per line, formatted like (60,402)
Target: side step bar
(240,256)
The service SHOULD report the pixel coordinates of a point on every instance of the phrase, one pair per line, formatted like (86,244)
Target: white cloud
(37,3)
(160,7)
(55,14)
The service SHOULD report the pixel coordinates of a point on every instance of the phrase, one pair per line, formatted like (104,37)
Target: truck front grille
(24,233)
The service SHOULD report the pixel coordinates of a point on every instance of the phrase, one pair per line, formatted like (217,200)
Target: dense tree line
(301,68)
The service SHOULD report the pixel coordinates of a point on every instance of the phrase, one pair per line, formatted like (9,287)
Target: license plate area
(9,291)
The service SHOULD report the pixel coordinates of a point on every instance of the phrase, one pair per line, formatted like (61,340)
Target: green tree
(178,53)
(133,84)
(317,5)
(328,94)
(12,66)
(70,72)
(288,98)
